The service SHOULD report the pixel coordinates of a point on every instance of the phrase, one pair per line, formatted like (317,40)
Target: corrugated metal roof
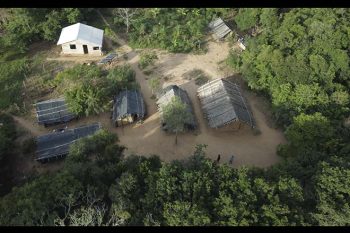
(58,143)
(219,28)
(108,59)
(81,32)
(53,111)
(128,102)
(222,103)
(171,91)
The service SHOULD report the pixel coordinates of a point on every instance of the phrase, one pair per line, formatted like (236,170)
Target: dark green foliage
(147,59)
(84,88)
(27,25)
(89,91)
(7,135)
(121,78)
(247,18)
(300,60)
(333,195)
(308,132)
(37,202)
(174,29)
(12,73)
(29,146)
(176,116)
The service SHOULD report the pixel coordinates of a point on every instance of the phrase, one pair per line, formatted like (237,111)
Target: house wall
(124,121)
(233,126)
(79,48)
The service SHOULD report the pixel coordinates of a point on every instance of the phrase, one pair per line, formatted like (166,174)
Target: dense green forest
(89,89)
(26,25)
(176,30)
(299,60)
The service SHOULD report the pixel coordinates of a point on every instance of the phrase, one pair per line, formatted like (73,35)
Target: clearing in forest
(148,138)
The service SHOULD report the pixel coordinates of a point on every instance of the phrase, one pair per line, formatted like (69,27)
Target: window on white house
(96,48)
(72,46)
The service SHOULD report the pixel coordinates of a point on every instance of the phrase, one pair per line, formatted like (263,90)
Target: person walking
(231,159)
(218,159)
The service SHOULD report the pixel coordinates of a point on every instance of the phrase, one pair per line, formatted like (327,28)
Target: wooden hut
(53,111)
(222,103)
(219,29)
(56,145)
(128,107)
(166,96)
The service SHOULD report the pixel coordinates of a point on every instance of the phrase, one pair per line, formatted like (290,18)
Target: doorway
(85,49)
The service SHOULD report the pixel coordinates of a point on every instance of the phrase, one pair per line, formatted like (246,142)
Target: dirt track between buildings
(148,139)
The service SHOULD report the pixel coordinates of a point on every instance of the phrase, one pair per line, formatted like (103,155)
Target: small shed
(81,39)
(56,145)
(219,29)
(222,103)
(241,43)
(53,111)
(166,96)
(128,107)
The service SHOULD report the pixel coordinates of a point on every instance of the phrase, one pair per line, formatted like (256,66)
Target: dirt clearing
(148,138)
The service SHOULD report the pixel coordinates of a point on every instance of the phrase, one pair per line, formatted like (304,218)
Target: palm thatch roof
(128,102)
(57,144)
(166,96)
(222,103)
(53,111)
(219,28)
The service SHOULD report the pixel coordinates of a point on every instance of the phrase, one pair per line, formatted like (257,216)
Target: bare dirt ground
(29,128)
(148,139)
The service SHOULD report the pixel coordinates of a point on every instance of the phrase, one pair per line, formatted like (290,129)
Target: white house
(81,39)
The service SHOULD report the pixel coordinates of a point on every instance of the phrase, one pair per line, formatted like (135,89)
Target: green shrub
(121,77)
(172,29)
(12,74)
(29,146)
(146,59)
(7,134)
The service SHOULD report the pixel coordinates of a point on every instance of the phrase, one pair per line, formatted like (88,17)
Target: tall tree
(126,15)
(176,115)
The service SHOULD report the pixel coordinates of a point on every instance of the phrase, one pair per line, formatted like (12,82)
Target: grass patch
(199,76)
(12,74)
(147,72)
(147,59)
(29,146)
(256,132)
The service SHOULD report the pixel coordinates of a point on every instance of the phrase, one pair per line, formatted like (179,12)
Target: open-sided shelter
(222,103)
(166,96)
(128,107)
(219,28)
(56,145)
(53,111)
(81,39)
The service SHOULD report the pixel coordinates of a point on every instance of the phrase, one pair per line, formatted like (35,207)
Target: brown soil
(148,139)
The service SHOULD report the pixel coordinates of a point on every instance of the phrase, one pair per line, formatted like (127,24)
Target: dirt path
(29,126)
(147,138)
(133,59)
